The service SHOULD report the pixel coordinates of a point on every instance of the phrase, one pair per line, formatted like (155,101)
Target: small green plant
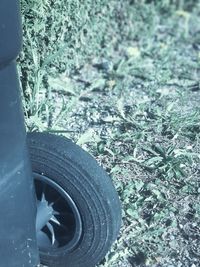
(121,78)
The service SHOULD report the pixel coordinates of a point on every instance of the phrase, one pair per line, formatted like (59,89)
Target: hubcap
(58,221)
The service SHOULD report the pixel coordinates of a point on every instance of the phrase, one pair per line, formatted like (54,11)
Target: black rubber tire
(59,159)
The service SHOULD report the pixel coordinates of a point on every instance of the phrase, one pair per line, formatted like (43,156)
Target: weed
(121,78)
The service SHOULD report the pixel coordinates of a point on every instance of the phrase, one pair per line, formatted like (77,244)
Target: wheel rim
(58,221)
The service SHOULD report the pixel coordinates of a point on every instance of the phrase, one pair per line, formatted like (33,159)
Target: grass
(131,98)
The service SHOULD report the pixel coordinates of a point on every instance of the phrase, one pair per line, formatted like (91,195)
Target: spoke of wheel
(54,219)
(43,199)
(50,227)
(44,186)
(56,212)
